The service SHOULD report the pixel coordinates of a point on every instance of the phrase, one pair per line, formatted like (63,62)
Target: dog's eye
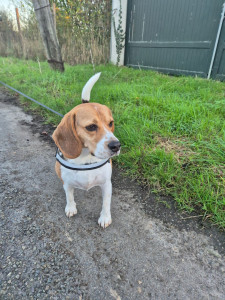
(111,124)
(92,127)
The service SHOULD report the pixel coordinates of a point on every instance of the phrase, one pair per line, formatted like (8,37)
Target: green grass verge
(172,129)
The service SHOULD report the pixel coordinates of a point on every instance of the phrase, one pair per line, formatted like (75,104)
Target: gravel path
(45,255)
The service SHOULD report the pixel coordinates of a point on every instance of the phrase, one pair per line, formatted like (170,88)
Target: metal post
(217,40)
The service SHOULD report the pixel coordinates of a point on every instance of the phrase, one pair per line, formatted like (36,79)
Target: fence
(176,36)
(83,29)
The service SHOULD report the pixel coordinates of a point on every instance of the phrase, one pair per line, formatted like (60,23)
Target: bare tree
(48,33)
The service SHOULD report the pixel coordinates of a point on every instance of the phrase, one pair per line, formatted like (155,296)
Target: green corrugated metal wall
(175,36)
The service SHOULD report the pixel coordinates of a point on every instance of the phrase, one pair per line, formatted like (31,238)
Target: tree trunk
(48,34)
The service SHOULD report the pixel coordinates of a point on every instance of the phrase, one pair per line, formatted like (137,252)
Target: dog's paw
(104,220)
(70,210)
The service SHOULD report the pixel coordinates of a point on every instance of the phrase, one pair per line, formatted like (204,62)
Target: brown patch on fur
(71,135)
(65,136)
(88,114)
(58,170)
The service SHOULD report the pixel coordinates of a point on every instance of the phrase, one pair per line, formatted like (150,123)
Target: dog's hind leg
(105,217)
(70,209)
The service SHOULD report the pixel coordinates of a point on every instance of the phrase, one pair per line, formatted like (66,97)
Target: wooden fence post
(48,34)
(54,14)
(20,32)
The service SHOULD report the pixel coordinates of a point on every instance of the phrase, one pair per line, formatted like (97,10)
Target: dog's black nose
(114,146)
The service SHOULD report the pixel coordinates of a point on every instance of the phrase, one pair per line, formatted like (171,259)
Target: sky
(7,4)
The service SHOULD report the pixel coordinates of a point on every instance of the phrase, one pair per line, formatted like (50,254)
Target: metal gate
(176,36)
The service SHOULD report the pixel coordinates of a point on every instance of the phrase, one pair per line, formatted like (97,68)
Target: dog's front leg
(70,209)
(105,216)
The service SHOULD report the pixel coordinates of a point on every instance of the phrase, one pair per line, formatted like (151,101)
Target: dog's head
(88,125)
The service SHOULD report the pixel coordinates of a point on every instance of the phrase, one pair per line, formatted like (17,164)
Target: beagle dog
(86,142)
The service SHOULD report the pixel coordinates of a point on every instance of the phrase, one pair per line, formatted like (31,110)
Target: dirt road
(45,255)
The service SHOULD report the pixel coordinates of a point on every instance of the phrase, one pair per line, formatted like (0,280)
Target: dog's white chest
(86,179)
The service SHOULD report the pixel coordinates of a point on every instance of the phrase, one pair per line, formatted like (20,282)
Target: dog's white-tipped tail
(86,92)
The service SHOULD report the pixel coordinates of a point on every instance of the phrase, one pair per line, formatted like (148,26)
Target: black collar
(86,167)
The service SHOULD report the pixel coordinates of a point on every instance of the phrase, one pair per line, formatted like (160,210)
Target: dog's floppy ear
(66,138)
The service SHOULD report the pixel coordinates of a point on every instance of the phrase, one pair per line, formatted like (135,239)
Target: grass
(172,129)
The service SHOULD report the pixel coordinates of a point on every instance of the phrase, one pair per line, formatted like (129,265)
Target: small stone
(213,252)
